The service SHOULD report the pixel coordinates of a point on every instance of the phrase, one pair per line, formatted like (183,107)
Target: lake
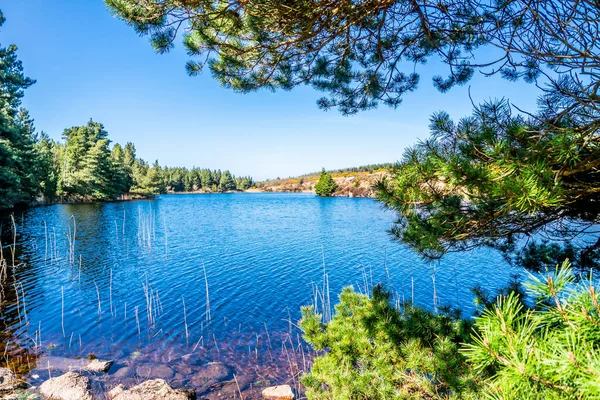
(221,277)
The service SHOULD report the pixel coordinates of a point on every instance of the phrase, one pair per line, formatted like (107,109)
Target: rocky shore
(79,379)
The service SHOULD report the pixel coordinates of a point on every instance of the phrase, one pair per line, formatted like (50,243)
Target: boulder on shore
(281,392)
(157,389)
(70,386)
(8,379)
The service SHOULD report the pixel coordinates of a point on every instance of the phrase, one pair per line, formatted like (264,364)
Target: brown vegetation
(350,183)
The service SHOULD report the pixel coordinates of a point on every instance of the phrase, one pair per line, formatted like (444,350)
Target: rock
(70,386)
(98,365)
(117,390)
(281,392)
(8,380)
(155,371)
(156,389)
(214,370)
(191,359)
(210,375)
(183,369)
(122,372)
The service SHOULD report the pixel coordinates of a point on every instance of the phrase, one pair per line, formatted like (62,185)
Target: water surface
(112,279)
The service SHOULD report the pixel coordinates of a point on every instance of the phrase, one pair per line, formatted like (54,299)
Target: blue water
(263,256)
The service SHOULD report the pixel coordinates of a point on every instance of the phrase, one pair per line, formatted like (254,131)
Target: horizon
(99,68)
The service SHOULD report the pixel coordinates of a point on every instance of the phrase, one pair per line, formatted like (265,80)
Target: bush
(548,350)
(373,350)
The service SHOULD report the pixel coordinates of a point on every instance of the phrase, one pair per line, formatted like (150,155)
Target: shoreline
(249,191)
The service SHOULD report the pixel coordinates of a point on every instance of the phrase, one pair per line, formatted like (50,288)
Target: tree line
(84,165)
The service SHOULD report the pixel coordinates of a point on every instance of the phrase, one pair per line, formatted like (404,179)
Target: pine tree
(87,169)
(550,351)
(226,182)
(27,166)
(17,179)
(48,166)
(97,172)
(493,178)
(206,179)
(326,186)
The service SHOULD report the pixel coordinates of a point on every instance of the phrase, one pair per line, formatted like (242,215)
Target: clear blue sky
(90,65)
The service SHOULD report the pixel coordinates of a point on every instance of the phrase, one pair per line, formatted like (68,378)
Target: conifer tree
(17,172)
(226,183)
(326,186)
(48,166)
(494,178)
(206,179)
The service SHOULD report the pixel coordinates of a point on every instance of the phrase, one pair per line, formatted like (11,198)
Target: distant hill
(352,182)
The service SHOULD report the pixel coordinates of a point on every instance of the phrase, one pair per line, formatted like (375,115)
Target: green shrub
(546,350)
(550,351)
(372,350)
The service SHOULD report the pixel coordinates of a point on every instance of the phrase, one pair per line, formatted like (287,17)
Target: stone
(210,375)
(191,359)
(281,392)
(70,386)
(214,370)
(157,389)
(117,390)
(98,365)
(8,380)
(122,372)
(155,371)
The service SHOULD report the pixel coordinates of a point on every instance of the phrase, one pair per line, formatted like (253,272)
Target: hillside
(352,182)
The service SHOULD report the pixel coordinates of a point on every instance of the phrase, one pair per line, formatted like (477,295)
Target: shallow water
(84,271)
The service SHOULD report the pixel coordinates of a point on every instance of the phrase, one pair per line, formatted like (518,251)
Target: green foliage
(226,182)
(549,352)
(48,167)
(515,349)
(89,170)
(492,178)
(326,186)
(372,350)
(366,53)
(18,183)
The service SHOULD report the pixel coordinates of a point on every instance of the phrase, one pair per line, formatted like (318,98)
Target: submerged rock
(281,392)
(8,380)
(70,386)
(157,389)
(122,372)
(98,365)
(155,371)
(210,375)
(191,359)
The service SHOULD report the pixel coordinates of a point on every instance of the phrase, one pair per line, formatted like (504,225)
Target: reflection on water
(220,277)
